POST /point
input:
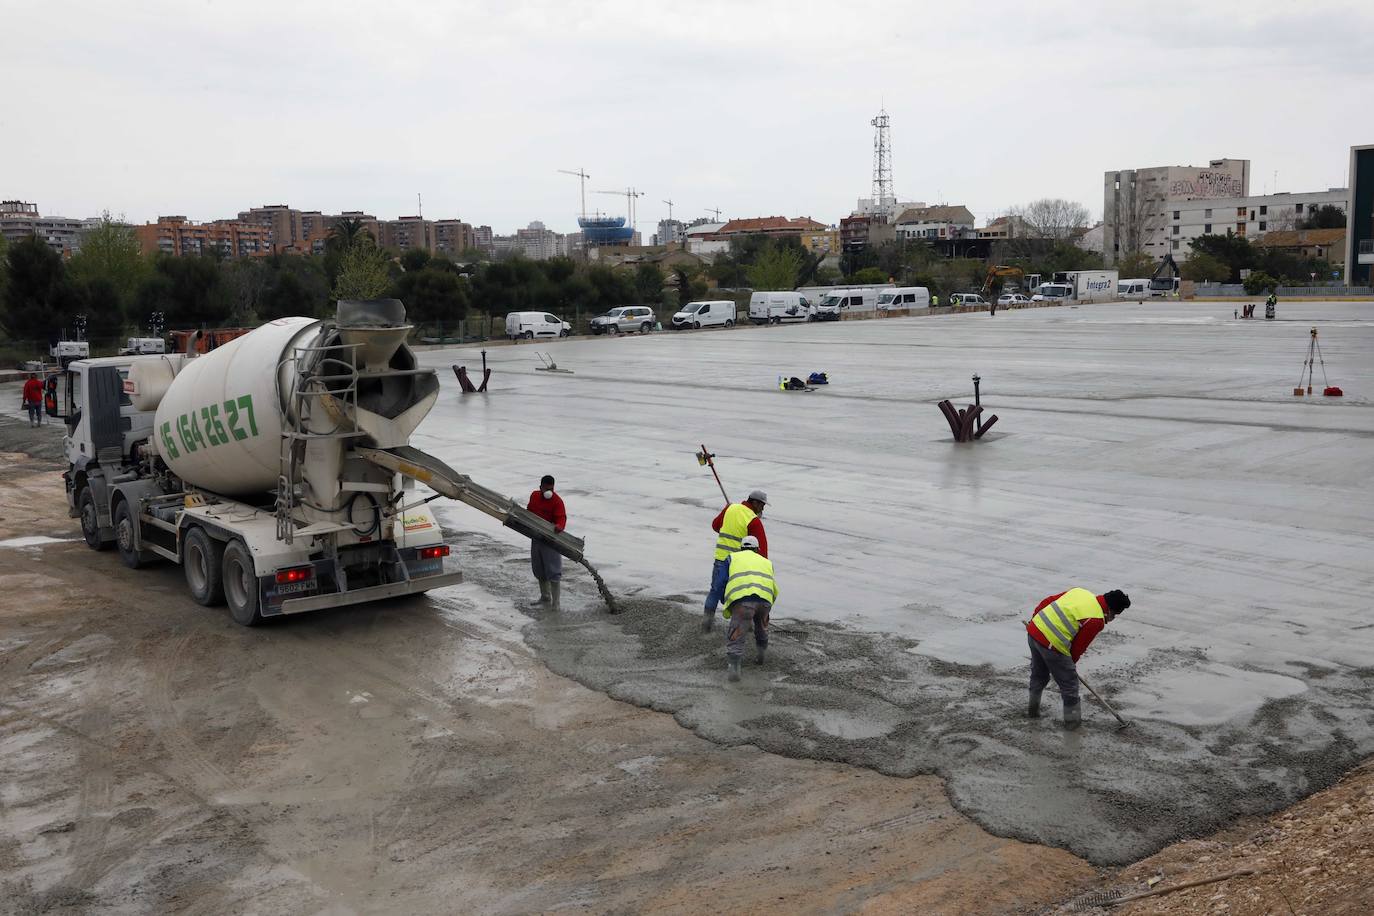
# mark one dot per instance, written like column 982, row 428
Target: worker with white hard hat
column 750, row 592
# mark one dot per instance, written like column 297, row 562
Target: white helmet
column 749, row 542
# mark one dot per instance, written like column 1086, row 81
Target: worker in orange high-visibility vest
column 1059, row 632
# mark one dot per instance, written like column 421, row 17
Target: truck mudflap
column 370, row 593
column 444, row 480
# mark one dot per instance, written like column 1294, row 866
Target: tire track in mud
column 184, row 753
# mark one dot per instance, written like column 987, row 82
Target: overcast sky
column 206, row 108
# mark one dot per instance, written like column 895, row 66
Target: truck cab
column 104, row 432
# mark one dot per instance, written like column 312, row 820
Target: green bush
column 1259, row 282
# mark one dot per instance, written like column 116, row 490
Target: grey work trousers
column 747, row 614
column 1051, row 662
column 545, row 562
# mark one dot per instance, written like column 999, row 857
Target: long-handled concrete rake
column 1096, row 696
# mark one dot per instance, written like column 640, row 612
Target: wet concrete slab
column 1155, row 448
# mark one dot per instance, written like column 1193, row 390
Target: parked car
column 625, row 318
column 778, row 306
column 535, row 324
column 967, row 299
column 1015, row 300
column 904, row 297
column 713, row 313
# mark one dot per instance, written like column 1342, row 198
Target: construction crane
column 582, row 174
column 670, row 210
column 714, row 212
column 629, row 194
column 1000, row 270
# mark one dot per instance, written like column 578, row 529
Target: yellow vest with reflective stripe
column 1061, row 619
column 733, row 528
column 751, row 576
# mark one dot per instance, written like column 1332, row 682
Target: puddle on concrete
column 36, row 540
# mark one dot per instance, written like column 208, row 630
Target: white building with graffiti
column 1139, row 204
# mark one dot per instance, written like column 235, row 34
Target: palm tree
column 347, row 231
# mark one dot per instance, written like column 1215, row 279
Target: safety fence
column 1228, row 290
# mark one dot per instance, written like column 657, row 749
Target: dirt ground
column 409, row 757
column 416, row 757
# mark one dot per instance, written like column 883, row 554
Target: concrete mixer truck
column 275, row 469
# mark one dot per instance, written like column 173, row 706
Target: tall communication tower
column 882, row 164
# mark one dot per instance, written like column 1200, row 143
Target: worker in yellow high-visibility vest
column 750, row 592
column 731, row 525
column 1058, row 633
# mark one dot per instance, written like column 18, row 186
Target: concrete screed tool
column 1124, row 723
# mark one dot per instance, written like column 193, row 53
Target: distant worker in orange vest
column 1059, row 632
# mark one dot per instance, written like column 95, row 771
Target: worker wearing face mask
column 731, row 526
column 546, row 562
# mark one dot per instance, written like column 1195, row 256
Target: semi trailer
column 275, row 469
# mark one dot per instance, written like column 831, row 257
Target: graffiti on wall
column 1206, row 184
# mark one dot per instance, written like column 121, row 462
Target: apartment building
column 538, row 243
column 934, row 223
column 20, row 219
column 452, row 237
column 283, row 221
column 178, row 236
column 1250, row 217
column 407, row 232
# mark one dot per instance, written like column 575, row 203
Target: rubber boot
column 1033, row 708
column 763, row 650
column 733, row 668
column 544, row 594
column 1073, row 716
column 708, row 621
column 555, row 593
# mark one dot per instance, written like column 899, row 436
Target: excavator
column 1164, row 282
column 1000, row 270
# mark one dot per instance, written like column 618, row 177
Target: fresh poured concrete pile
column 1153, row 448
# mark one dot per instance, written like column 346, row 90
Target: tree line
column 116, row 288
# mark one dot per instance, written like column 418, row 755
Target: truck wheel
column 529, row 335
column 563, row 333
column 241, row 584
column 696, row 325
column 90, row 520
column 729, row 322
column 126, row 535
column 201, row 560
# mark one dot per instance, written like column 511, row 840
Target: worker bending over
column 1060, row 631
column 546, row 562
column 731, row 526
column 750, row 593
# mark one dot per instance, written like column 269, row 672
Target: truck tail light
column 295, row 574
column 434, row 553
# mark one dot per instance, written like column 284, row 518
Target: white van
column 705, row 314
column 904, row 297
column 1133, row 289
column 535, row 324
column 777, row 307
column 836, row 302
